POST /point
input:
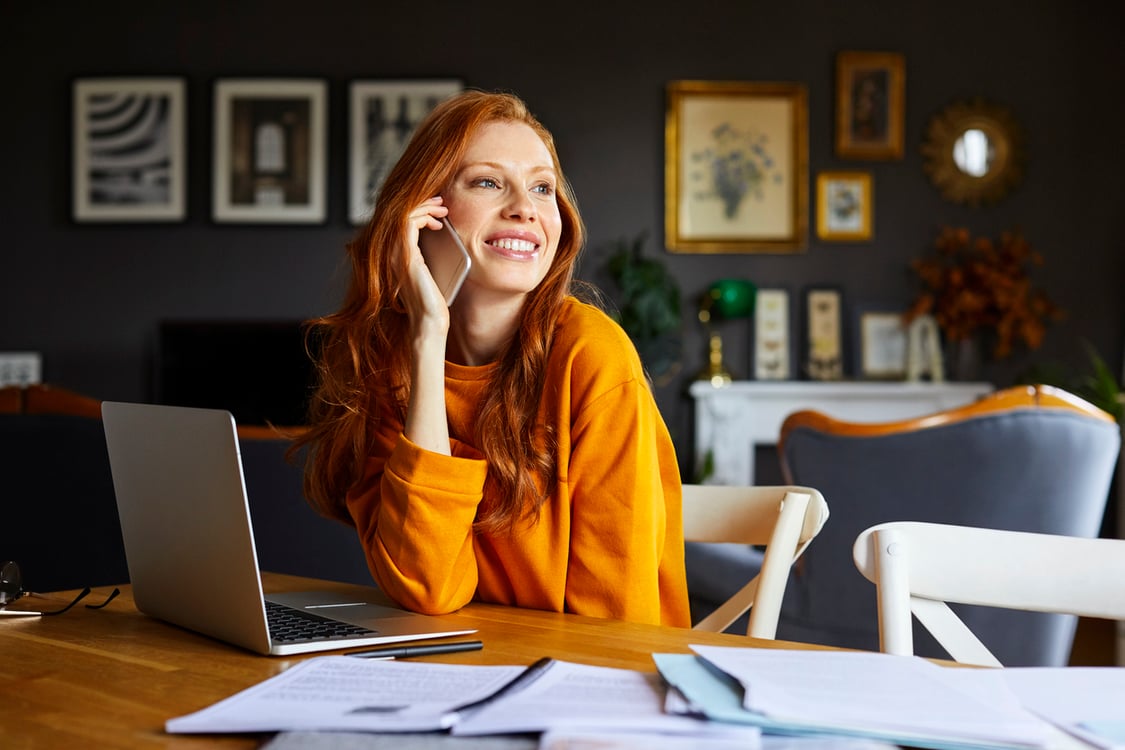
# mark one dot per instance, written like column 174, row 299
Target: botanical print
column 733, row 167
column 737, row 168
column 845, row 206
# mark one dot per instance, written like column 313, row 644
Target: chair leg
column 892, row 575
column 776, row 564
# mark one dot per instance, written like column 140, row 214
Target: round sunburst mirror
column 973, row 152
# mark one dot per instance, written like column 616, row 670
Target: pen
column 401, row 652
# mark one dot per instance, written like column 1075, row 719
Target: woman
column 506, row 448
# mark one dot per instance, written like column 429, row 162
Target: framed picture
column 129, row 159
column 384, row 115
column 824, row 334
column 270, row 151
column 844, row 206
column 771, row 335
column 736, row 167
column 882, row 342
column 870, row 101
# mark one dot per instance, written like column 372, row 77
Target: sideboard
column 731, row 420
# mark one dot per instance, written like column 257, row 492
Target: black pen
column 430, row 649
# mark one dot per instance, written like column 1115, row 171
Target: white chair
column 783, row 519
column 918, row 567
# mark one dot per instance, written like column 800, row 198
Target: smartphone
column 446, row 257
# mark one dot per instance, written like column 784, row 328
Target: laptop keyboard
column 289, row 625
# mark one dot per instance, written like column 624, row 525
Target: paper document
column 341, row 693
column 1086, row 701
column 345, row 693
column 870, row 691
column 720, row 697
column 568, row 695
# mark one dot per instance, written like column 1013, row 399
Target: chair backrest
column 918, row 567
column 1032, row 458
column 783, row 519
column 62, row 525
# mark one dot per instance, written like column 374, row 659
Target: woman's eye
column 487, row 182
column 544, row 189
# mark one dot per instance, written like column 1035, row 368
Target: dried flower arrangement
column 976, row 286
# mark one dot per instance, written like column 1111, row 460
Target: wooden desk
column 109, row 678
column 731, row 420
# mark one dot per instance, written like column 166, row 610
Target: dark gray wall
column 89, row 297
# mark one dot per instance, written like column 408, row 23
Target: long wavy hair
column 362, row 351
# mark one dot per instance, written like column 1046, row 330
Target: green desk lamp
column 725, row 299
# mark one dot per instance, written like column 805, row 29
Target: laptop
column 189, row 543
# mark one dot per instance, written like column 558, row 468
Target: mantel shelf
column 731, row 420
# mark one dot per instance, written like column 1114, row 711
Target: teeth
column 519, row 246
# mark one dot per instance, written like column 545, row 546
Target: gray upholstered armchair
column 1031, row 458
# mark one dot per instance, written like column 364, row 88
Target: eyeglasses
column 11, row 589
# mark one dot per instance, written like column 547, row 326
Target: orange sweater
column 608, row 542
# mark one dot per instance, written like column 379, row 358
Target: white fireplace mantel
column 731, row 420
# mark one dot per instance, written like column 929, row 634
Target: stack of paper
column 340, row 693
column 717, row 695
column 904, row 700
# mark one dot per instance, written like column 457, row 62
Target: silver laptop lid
column 185, row 520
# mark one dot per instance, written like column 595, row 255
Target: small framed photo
column 270, row 151
column 129, row 162
column 882, row 341
column 736, row 167
column 844, row 206
column 384, row 115
column 771, row 335
column 824, row 334
column 870, row 102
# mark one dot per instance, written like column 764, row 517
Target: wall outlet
column 20, row 368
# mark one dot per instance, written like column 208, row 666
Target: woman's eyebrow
column 499, row 166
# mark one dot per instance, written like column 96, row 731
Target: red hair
column 362, row 350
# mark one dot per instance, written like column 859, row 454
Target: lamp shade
column 730, row 298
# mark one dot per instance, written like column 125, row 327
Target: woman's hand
column 426, row 423
column 421, row 296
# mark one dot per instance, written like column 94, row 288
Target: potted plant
column 648, row 306
column 981, row 290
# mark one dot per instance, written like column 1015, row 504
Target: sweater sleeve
column 414, row 513
column 626, row 556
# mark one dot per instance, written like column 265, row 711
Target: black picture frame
column 823, row 350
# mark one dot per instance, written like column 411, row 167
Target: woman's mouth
column 514, row 246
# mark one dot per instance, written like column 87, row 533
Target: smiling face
column 502, row 200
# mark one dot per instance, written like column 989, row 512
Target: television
column 256, row 369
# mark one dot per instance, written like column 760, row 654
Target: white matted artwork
column 771, row 335
column 384, row 115
column 883, row 346
column 270, row 151
column 128, row 149
column 825, row 353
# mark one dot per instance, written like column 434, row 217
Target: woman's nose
column 520, row 206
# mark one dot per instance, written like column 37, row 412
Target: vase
column 963, row 359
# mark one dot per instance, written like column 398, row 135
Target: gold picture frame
column 736, row 167
column 870, row 102
column 845, row 206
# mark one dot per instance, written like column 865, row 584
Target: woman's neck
column 478, row 333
